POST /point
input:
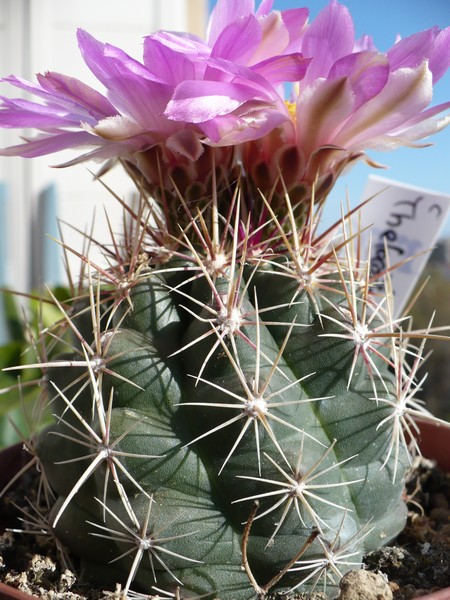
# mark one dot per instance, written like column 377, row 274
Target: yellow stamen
column 292, row 108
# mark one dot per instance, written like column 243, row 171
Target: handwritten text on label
column 405, row 221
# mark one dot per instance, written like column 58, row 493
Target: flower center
column 292, row 109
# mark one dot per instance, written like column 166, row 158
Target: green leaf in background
column 21, row 320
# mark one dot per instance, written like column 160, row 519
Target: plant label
column 403, row 223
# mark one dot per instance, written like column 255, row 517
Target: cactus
column 234, row 414
column 230, row 404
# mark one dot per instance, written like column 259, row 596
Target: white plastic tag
column 407, row 221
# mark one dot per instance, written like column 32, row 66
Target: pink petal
column 69, row 89
column 281, row 33
column 23, row 113
column 407, row 92
column 224, row 13
column 199, row 101
column 279, row 69
column 237, row 42
column 264, row 8
column 183, row 43
column 224, row 70
column 165, row 64
column 33, row 88
column 425, row 115
column 440, row 59
column 411, row 134
column 364, row 43
column 246, row 102
column 329, row 37
column 132, row 88
column 235, row 129
column 66, row 92
column 321, row 110
column 49, row 143
column 108, row 63
column 274, row 37
column 367, row 72
column 413, row 50
column 295, row 21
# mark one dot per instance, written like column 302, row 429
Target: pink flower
column 192, row 103
column 352, row 98
column 186, row 93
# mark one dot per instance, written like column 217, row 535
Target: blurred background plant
column 435, row 295
column 20, row 410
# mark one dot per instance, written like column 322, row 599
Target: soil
column 416, row 564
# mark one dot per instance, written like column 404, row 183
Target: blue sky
column 384, row 19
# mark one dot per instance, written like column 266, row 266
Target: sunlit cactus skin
column 206, row 389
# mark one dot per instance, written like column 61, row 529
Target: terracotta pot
column 9, row 593
column 11, row 461
column 434, row 443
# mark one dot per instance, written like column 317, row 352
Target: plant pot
column 11, row 461
column 434, row 443
column 9, row 593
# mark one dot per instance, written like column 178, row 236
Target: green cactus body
column 211, row 392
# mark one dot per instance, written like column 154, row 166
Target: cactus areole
column 233, row 417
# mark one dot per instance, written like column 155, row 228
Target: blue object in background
column 4, row 333
column 49, row 250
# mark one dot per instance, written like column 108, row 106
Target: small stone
column 425, row 548
column 41, row 564
column 364, row 585
column 66, row 581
